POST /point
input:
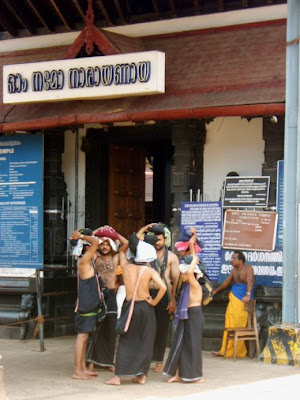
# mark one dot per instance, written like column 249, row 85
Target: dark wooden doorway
column 115, row 177
column 126, row 208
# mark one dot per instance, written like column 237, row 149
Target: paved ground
column 33, row 375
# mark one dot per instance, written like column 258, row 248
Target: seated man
column 242, row 279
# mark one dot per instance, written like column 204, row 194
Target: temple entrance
column 128, row 178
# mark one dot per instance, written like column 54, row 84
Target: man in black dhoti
column 135, row 348
column 184, row 362
column 167, row 265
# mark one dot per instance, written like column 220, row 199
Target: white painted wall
column 232, row 144
column 69, row 170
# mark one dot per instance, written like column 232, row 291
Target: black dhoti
column 162, row 327
column 102, row 343
column 186, row 348
column 135, row 348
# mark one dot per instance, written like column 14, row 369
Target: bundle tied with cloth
column 183, row 245
column 159, row 229
column 107, row 233
column 141, row 253
column 77, row 252
column 78, row 244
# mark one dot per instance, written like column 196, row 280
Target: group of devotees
column 110, row 271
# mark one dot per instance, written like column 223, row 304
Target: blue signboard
column 21, row 201
column 279, row 205
column 207, row 218
column 267, row 266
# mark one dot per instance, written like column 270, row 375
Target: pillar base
column 283, row 345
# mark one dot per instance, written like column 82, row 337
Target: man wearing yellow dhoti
column 242, row 280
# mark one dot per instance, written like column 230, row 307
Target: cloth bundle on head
column 184, row 269
column 83, row 231
column 161, row 229
column 77, row 251
column 107, row 233
column 140, row 251
column 151, row 239
column 183, row 242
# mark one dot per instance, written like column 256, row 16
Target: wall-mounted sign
column 249, row 230
column 21, row 202
column 242, row 192
column 267, row 266
column 119, row 75
column 207, row 218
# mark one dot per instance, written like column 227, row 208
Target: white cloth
column 77, row 251
column 121, row 296
column 184, row 269
column 145, row 252
column 113, row 244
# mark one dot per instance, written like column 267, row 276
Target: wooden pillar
column 188, row 139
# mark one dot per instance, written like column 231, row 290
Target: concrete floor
column 30, row 374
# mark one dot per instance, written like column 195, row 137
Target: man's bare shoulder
column 172, row 256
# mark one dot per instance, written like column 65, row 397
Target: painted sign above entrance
column 121, row 75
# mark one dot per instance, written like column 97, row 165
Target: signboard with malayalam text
column 267, row 266
column 120, row 75
column 245, row 192
column 21, row 202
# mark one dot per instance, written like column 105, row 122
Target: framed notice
column 21, row 202
column 207, row 218
column 243, row 192
column 249, row 230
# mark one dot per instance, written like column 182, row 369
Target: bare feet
column 116, row 381
column 141, row 379
column 174, row 379
column 216, row 354
column 90, row 372
column 111, row 369
column 159, row 367
column 91, row 367
column 81, row 375
column 198, row 381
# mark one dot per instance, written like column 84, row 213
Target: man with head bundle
column 89, row 299
column 242, row 279
column 184, row 362
column 135, row 348
column 167, row 265
column 101, row 347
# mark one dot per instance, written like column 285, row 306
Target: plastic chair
column 249, row 333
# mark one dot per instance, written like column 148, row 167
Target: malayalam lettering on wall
column 21, row 201
column 267, row 266
column 207, row 218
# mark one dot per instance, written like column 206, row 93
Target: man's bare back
column 130, row 276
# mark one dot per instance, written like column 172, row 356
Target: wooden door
column 126, row 209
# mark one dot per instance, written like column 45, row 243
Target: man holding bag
column 135, row 348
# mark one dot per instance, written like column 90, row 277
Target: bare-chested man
column 242, row 279
column 167, row 265
column 135, row 348
column 184, row 362
column 88, row 300
column 101, row 347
